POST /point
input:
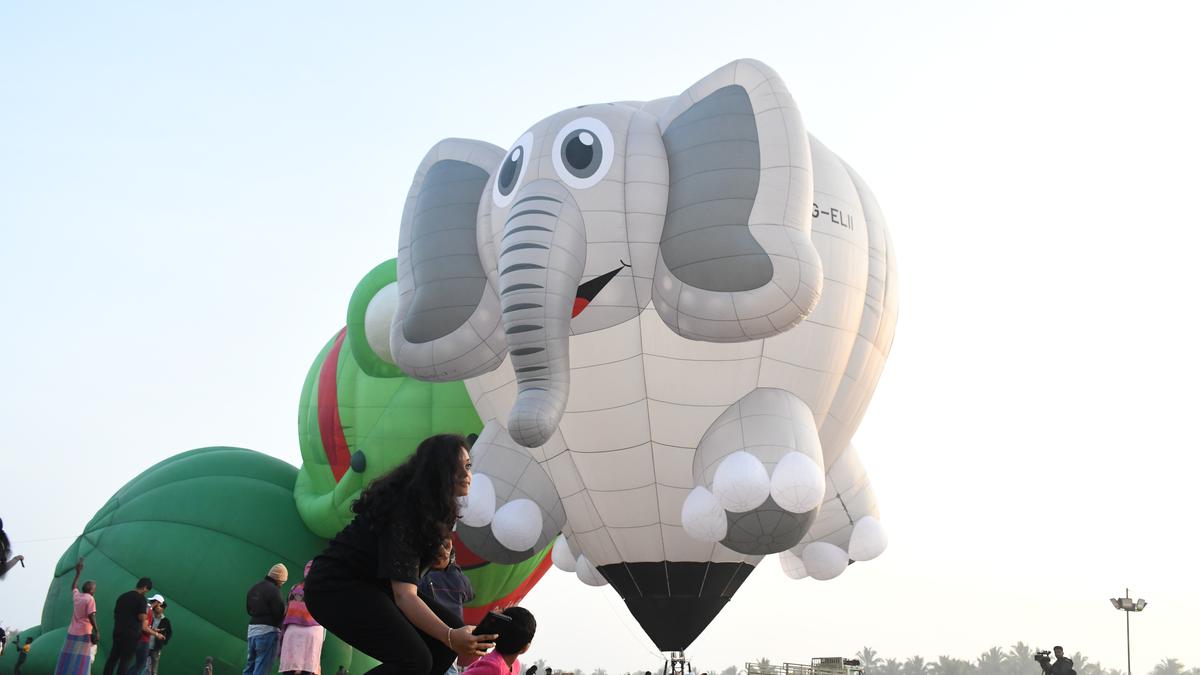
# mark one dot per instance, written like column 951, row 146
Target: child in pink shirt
column 515, row 638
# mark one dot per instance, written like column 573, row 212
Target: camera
column 1042, row 656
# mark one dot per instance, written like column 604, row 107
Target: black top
column 125, row 614
column 164, row 627
column 365, row 554
column 264, row 604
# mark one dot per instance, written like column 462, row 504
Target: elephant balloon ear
column 736, row 259
column 447, row 321
column 369, row 321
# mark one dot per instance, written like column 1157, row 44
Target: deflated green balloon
column 204, row 525
column 360, row 417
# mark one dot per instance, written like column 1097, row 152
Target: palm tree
column 1079, row 662
column 889, row 667
column 1020, row 656
column 946, row 665
column 1168, row 667
column 869, row 659
column 763, row 665
column 914, row 665
column 991, row 662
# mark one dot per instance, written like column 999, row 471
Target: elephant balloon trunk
column 543, row 250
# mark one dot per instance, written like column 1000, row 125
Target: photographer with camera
column 1061, row 666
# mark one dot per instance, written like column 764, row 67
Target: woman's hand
column 465, row 644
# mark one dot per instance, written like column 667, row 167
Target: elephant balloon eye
column 507, row 180
column 583, row 152
column 511, row 171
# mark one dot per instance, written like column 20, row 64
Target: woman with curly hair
column 363, row 587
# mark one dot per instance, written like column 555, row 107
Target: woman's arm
column 458, row 639
column 95, row 629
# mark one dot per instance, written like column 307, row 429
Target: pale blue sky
column 188, row 195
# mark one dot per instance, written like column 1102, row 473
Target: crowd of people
column 387, row 585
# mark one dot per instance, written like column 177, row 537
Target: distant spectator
column 22, row 654
column 129, row 619
column 207, row 666
column 7, row 563
column 82, row 635
column 160, row 623
column 266, row 610
column 302, row 635
column 514, row 640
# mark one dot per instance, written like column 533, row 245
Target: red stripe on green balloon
column 329, row 419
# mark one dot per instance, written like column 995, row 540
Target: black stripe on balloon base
column 675, row 601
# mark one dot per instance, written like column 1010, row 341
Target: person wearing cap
column 265, row 606
column 141, row 656
column 158, row 606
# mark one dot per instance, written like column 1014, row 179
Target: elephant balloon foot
column 847, row 529
column 759, row 475
column 513, row 510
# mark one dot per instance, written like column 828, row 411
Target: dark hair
column 145, row 583
column 422, row 491
column 5, row 550
column 88, row 586
column 1058, row 646
column 517, row 633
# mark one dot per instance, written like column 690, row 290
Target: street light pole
column 1128, row 649
column 1127, row 605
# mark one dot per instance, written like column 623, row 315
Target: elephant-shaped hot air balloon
column 671, row 447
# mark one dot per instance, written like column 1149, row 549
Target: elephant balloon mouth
column 588, row 290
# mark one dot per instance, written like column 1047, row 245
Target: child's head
column 516, row 636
